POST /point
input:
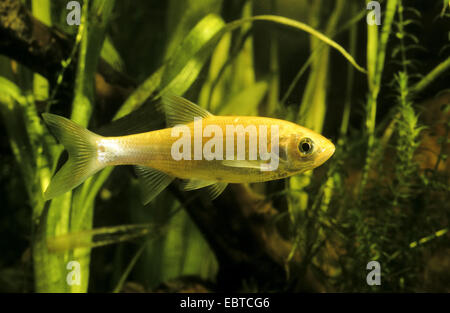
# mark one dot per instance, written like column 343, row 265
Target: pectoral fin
column 152, row 182
column 243, row 164
column 262, row 165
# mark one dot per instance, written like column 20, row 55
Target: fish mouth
column 327, row 150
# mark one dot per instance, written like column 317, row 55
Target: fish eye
column 306, row 146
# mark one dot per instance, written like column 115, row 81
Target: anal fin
column 152, row 182
column 216, row 189
column 213, row 188
column 193, row 184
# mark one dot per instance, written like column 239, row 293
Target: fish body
column 203, row 149
column 153, row 149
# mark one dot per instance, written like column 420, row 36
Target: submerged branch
column 43, row 49
column 240, row 229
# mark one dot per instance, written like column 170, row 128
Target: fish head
column 304, row 149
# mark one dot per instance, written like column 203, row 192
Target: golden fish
column 206, row 150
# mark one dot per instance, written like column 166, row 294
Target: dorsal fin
column 181, row 111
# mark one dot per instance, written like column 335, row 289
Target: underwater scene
column 208, row 146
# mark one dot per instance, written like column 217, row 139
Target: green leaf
column 64, row 214
column 178, row 74
column 246, row 102
column 111, row 56
column 182, row 16
column 187, row 61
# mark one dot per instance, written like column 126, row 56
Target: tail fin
column 81, row 145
